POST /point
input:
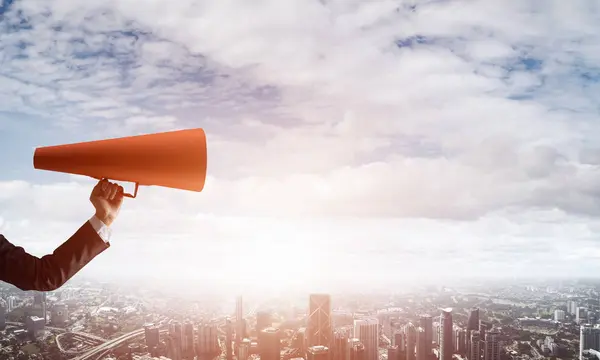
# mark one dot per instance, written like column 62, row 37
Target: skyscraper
column 581, row 315
column 339, row 347
column 492, row 346
column 446, row 346
column 411, row 341
column 39, row 304
column 589, row 338
column 269, row 344
column 299, row 341
column 12, row 303
column 474, row 351
column 3, row 312
column 152, row 336
column 263, row 321
column 239, row 318
column 208, row 343
column 399, row 340
column 188, row 350
column 461, row 341
column 228, row 339
column 472, row 325
column 559, row 315
column 473, row 322
column 426, row 323
column 483, row 328
column 319, row 331
column 176, row 335
column 59, row 314
column 356, row 350
column 393, row 353
column 421, row 352
column 367, row 331
column 244, row 349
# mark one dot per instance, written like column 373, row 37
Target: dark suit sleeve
column 50, row 272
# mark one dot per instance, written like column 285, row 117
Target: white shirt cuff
column 103, row 231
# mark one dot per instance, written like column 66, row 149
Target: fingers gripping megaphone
column 175, row 159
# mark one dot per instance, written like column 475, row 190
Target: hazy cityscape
column 318, row 180
column 493, row 321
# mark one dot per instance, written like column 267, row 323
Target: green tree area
column 524, row 335
column 30, row 349
column 524, row 349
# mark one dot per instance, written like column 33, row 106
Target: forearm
column 50, row 272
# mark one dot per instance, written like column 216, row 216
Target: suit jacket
column 28, row 272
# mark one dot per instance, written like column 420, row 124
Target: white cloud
column 441, row 110
column 174, row 237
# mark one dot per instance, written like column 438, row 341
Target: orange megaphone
column 175, row 159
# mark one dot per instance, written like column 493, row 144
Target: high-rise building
column 356, row 349
column 3, row 308
column 421, row 351
column 446, row 345
column 152, row 336
column 473, row 321
column 398, row 340
column 572, row 307
column 12, row 303
column 474, row 351
column 263, row 321
column 472, row 325
column 559, row 315
column 188, row 341
column 318, row 329
column 208, row 342
column 339, row 346
column 176, row 336
column 39, row 305
column 386, row 317
column 460, row 336
column 38, row 298
column 318, row 352
column 410, row 333
column 244, row 349
column 483, row 328
column 59, row 314
column 239, row 318
column 228, row 339
column 269, row 344
column 426, row 323
column 393, row 353
column 299, row 341
column 171, row 350
column 367, row 331
column 492, row 346
column 589, row 338
column 581, row 315
column 35, row 325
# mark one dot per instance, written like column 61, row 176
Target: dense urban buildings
column 501, row 322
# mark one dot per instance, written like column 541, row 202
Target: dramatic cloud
column 475, row 118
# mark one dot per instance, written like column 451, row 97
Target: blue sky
column 382, row 142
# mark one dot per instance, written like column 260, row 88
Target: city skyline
column 525, row 321
column 386, row 139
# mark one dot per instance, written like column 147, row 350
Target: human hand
column 107, row 198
